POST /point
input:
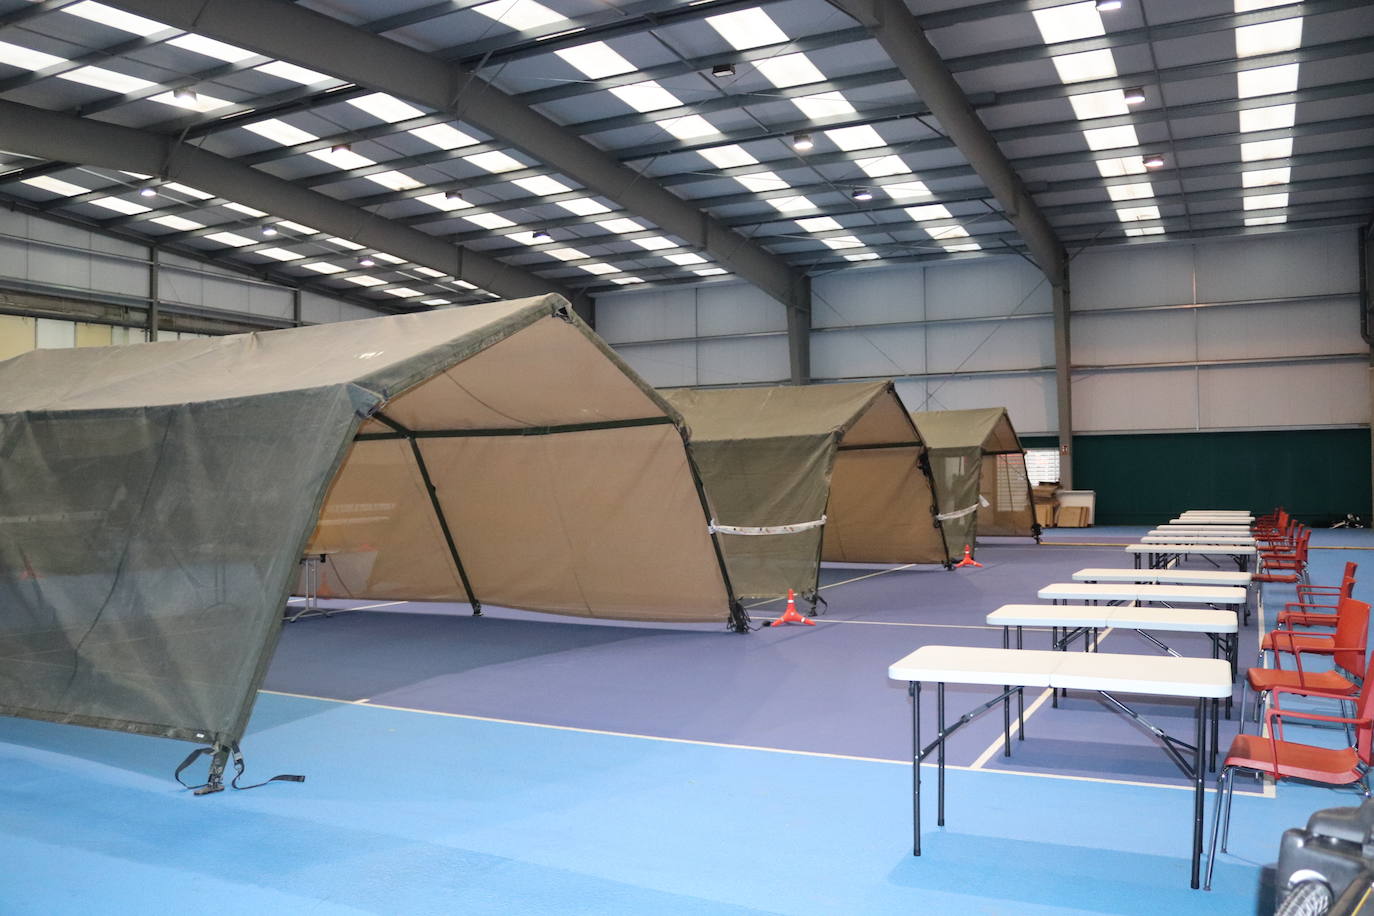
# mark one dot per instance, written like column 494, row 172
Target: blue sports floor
column 521, row 763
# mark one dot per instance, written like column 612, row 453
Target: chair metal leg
column 1226, row 815
column 1222, row 779
column 1244, row 692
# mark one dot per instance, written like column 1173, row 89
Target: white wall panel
column 1297, row 394
column 122, row 278
column 1029, row 399
column 269, row 300
column 845, row 298
column 14, row 259
column 1149, row 337
column 748, row 359
column 737, row 309
column 55, row 335
column 667, row 365
column 59, row 267
column 1136, row 399
column 875, row 352
column 1022, row 344
column 1315, row 328
column 992, row 286
column 651, row 314
column 1131, row 275
column 1276, row 266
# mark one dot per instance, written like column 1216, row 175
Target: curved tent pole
column 438, row 509
column 739, row 617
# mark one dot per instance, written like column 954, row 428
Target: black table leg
column 915, row 691
column 1006, row 701
column 940, row 752
column 1020, row 699
column 1199, row 795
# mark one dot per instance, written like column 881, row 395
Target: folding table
column 1163, row 555
column 1012, row 670
column 1169, row 537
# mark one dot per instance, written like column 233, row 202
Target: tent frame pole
column 739, row 617
column 409, row 436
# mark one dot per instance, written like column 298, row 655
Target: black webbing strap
column 238, row 770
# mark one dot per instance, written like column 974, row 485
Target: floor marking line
column 896, row 623
column 722, row 744
column 841, row 582
column 1030, row 711
column 331, row 611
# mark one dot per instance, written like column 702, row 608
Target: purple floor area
column 821, row 689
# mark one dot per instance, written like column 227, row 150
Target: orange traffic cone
column 791, row 615
column 968, row 560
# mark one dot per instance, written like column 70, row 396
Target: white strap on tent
column 716, row 528
column 946, row 516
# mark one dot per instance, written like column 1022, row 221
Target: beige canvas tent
column 794, row 474
column 155, row 499
column 980, row 474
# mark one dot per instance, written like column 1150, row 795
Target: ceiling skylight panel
column 1258, row 178
column 565, row 254
column 127, row 207
column 1143, row 230
column 292, row 73
column 178, row 188
column 115, row 19
column 619, row 225
column 1267, row 80
column 279, row 254
column 727, row 157
column 528, row 237
column 763, row 181
column 824, row 105
column 341, row 158
column 882, row 166
column 599, row 268
column 429, row 272
column 55, row 185
column 345, row 243
column 495, row 161
column 289, row 226
column 246, row 210
column 396, row 181
column 109, row 80
column 746, row 29
column 789, row 70
column 1265, row 220
column 191, row 101
column 208, row 47
column 842, row 241
column 27, row 58
column 280, row 132
column 1131, row 214
column 791, row 204
column 655, row 243
column 1099, row 104
column 179, row 223
column 324, row 267
column 625, row 281
column 1068, row 23
column 682, row 260
column 520, row 15
column 819, row 224
column 1269, row 37
column 583, row 206
column 365, row 281
column 388, row 258
column 443, row 201
column 646, row 96
column 1111, row 137
column 489, row 221
column 1117, row 168
column 948, row 232
column 386, row 108
column 1274, row 117
column 1266, row 149
column 710, row 271
column 1084, row 66
column 689, row 127
column 230, row 238
column 1266, row 202
column 435, row 302
column 596, row 60
column 404, row 292
column 1130, row 191
column 929, row 211
column 861, row 136
column 444, row 136
column 967, row 246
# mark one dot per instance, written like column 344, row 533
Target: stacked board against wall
column 979, row 469
column 158, row 497
column 839, row 470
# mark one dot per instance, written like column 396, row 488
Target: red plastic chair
column 1351, row 634
column 1282, row 759
column 1341, row 683
column 1304, row 612
column 1285, row 566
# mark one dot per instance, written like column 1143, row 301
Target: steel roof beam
column 51, row 135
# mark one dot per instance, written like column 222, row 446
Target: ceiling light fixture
column 269, row 231
column 723, row 70
column 802, row 142
column 1106, row 6
column 1134, row 96
column 147, row 191
column 542, row 235
column 862, row 194
column 366, row 262
column 1153, row 161
column 341, row 148
column 184, row 95
column 453, row 195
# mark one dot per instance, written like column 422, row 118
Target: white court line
column 366, row 704
column 841, row 582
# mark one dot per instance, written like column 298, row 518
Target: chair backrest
column 1352, row 636
column 1364, row 711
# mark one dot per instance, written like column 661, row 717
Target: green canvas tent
column 155, row 500
column 795, row 474
column 979, row 468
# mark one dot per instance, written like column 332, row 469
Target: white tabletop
column 1237, row 531
column 1176, row 620
column 1050, row 615
column 1152, row 674
column 1208, row 522
column 1214, row 519
column 1085, row 591
column 1216, row 512
column 1196, row 539
column 1164, row 576
column 1235, row 550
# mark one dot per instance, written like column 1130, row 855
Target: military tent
column 795, row 474
column 980, row 474
column 155, row 500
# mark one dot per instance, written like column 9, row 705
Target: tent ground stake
column 214, row 782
